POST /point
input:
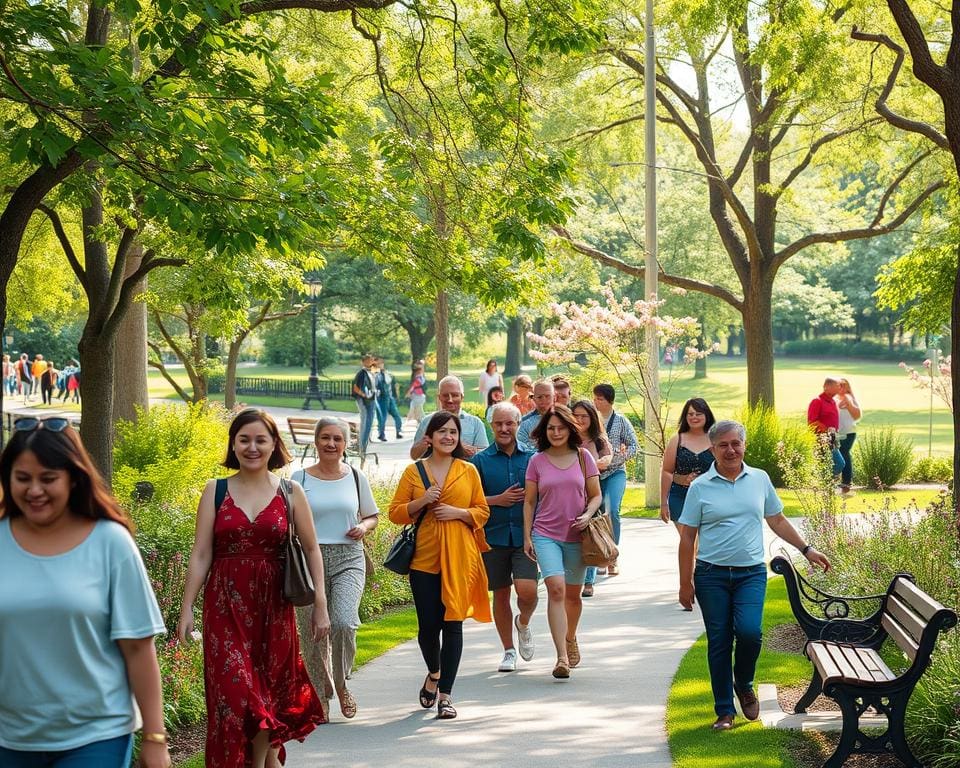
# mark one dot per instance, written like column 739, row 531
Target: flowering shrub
column 181, row 673
column 866, row 551
column 941, row 385
column 385, row 589
column 610, row 336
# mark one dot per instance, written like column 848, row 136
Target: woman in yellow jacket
column 447, row 577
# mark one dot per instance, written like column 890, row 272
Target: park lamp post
column 313, row 389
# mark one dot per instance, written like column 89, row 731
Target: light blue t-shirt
column 472, row 431
column 527, row 424
column 63, row 680
column 730, row 515
column 334, row 504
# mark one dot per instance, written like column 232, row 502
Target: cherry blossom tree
column 607, row 337
column 942, row 384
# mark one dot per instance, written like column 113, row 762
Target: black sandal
column 445, row 710
column 428, row 698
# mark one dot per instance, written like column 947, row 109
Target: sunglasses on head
column 30, row 423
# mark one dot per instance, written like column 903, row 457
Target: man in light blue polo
column 725, row 506
column 473, row 433
column 503, row 471
column 543, row 397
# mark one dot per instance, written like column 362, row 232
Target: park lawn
column 373, row 639
column 690, row 705
column 860, row 501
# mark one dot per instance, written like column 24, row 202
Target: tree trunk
column 97, row 356
column 441, row 321
column 230, row 375
column 955, row 379
column 512, row 364
column 700, row 364
column 130, row 386
column 420, row 338
column 758, row 329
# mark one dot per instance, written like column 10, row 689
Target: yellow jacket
column 451, row 547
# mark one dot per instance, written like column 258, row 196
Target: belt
column 733, row 568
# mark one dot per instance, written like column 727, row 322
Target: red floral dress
column 253, row 673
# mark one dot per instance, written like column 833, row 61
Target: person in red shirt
column 824, row 417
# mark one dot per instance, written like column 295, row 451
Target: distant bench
column 847, row 665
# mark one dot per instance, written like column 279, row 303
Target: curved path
column 609, row 713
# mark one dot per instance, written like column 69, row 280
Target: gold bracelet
column 157, row 738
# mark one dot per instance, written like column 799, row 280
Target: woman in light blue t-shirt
column 77, row 611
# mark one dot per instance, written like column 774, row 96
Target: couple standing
column 835, row 413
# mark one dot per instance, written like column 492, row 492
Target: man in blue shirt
column 725, row 506
column 543, row 400
column 503, row 469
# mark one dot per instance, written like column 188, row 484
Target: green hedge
column 870, row 350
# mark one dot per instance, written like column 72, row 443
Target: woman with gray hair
column 344, row 511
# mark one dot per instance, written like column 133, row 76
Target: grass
column 690, row 705
column 861, row 501
column 373, row 639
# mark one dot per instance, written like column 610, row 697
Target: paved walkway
column 609, row 714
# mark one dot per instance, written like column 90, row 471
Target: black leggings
column 444, row 656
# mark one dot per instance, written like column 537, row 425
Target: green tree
column 802, row 125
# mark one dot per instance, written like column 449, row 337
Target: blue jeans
column 612, row 487
column 368, row 411
column 731, row 601
column 112, row 753
column 846, row 445
column 387, row 406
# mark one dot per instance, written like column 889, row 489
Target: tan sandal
column 562, row 670
column 348, row 704
column 573, row 652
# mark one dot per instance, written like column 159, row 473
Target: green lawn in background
column 690, row 705
column 860, row 501
column 886, row 394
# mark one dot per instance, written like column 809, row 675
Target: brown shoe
column 587, row 590
column 562, row 670
column 573, row 652
column 749, row 704
column 724, row 723
column 613, row 570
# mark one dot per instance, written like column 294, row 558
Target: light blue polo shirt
column 472, row 430
column 527, row 424
column 63, row 679
column 730, row 515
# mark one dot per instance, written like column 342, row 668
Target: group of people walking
column 489, row 517
column 26, row 377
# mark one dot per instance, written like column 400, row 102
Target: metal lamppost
column 313, row 388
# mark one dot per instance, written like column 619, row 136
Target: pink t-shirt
column 562, row 495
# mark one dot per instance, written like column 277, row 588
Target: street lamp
column 313, row 388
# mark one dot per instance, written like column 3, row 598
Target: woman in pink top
column 562, row 494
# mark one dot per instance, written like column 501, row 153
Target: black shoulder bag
column 401, row 552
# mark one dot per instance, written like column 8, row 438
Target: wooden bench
column 832, row 619
column 301, row 433
column 857, row 678
column 353, row 447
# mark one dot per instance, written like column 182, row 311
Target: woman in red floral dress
column 257, row 689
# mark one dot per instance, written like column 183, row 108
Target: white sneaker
column 525, row 640
column 509, row 663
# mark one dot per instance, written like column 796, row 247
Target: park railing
column 267, row 386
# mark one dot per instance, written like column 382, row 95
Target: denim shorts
column 560, row 557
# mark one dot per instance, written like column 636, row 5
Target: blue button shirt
column 498, row 471
column 730, row 515
column 527, row 424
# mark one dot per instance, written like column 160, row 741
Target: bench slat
column 916, row 598
column 900, row 636
column 906, row 617
column 848, row 663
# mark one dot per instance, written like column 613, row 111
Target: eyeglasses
column 30, row 423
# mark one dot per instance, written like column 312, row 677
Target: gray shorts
column 504, row 564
